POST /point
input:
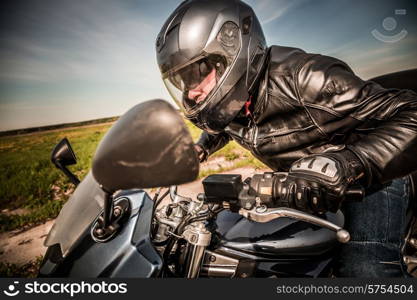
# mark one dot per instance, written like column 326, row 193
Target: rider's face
column 199, row 79
column 200, row 92
column 193, row 84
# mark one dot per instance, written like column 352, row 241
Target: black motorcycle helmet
column 210, row 53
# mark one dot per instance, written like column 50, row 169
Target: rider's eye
column 204, row 69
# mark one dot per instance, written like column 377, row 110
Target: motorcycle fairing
column 76, row 216
column 129, row 254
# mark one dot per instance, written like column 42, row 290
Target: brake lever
column 262, row 214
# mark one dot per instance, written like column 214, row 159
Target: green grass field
column 29, row 181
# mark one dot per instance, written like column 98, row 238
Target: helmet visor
column 192, row 85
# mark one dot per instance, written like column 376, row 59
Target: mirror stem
column 68, row 173
column 108, row 208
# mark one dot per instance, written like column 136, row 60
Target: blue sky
column 65, row 61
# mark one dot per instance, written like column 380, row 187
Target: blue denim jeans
column 377, row 227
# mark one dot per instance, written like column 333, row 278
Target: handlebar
column 265, row 189
column 262, row 214
column 254, row 199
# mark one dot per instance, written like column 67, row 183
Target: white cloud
column 271, row 10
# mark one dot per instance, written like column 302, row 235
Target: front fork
column 198, row 238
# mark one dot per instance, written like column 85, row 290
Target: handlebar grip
column 355, row 193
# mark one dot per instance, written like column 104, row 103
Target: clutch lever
column 262, row 214
column 175, row 197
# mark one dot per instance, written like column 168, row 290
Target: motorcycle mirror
column 63, row 153
column 62, row 156
column 149, row 146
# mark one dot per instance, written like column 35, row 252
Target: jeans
column 377, row 227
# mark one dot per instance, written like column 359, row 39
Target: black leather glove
column 202, row 154
column 318, row 183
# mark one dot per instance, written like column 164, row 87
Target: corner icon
column 390, row 24
column 11, row 290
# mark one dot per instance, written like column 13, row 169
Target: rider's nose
column 194, row 94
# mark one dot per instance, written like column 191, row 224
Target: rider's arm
column 211, row 143
column 340, row 102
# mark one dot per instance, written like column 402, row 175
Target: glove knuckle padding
column 318, row 183
column 323, row 168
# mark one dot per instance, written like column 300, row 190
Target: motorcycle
column 111, row 227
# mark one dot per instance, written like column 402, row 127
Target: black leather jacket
column 309, row 103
